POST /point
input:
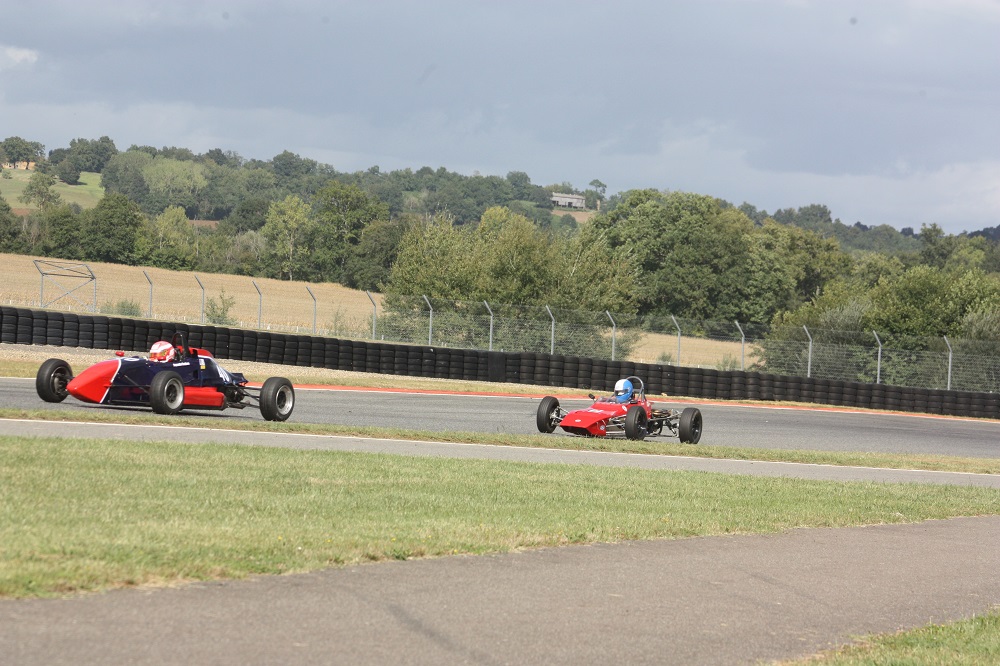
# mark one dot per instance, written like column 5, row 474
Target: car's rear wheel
column 166, row 392
column 689, row 428
column 52, row 378
column 545, row 418
column 277, row 399
column 636, row 421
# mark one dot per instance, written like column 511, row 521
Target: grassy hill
column 86, row 194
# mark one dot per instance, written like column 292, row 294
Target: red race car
column 627, row 413
column 174, row 377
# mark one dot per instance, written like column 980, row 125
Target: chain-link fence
column 971, row 365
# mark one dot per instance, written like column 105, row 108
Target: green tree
column 62, row 233
column 19, row 150
column 67, row 172
column 167, row 240
column 39, row 192
column 111, row 230
column 288, row 227
column 10, row 229
column 341, row 213
column 173, row 182
column 371, row 261
column 92, row 155
column 123, row 174
column 691, row 253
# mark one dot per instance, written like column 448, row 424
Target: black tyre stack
column 71, row 329
column 8, row 324
column 39, row 323
column 331, row 353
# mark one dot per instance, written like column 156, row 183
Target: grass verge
column 86, row 515
column 970, row 642
column 651, row 447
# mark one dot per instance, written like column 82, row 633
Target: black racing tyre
column 166, row 392
column 689, row 427
column 52, row 378
column 545, row 419
column 636, row 421
column 277, row 399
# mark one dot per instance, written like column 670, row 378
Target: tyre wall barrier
column 43, row 327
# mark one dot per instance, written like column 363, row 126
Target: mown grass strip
column 971, row 642
column 89, row 514
column 651, row 447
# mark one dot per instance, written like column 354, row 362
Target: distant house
column 569, row 200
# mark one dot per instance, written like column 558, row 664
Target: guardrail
column 42, row 327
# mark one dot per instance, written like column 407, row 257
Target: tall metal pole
column 949, row 361
column 202, row 299
column 743, row 346
column 314, row 307
column 878, row 366
column 678, row 327
column 809, row 362
column 150, row 294
column 552, row 344
column 260, row 302
column 430, row 323
column 490, row 310
column 614, row 333
column 374, row 313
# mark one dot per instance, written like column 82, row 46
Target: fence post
column 878, row 366
column 949, row 361
column 430, row 324
column 614, row 333
column 809, row 361
column 743, row 346
column 552, row 344
column 150, row 294
column 490, row 310
column 202, row 299
column 678, row 326
column 314, row 307
column 374, row 313
column 260, row 302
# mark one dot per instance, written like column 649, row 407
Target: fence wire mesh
column 971, row 365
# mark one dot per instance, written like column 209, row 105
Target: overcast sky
column 886, row 111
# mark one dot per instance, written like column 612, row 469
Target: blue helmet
column 623, row 390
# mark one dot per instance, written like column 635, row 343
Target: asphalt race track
column 725, row 424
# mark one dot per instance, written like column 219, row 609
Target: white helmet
column 161, row 351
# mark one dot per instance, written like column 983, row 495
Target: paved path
column 717, row 600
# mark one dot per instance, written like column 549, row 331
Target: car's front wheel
column 636, row 421
column 166, row 392
column 545, row 418
column 277, row 399
column 689, row 428
column 52, row 378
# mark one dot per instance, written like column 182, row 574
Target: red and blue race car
column 628, row 412
column 174, row 377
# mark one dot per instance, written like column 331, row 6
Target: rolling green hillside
column 86, row 194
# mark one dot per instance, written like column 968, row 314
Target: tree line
column 649, row 254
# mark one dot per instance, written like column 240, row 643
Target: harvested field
column 176, row 296
column 284, row 306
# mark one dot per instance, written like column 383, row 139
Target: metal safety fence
column 330, row 310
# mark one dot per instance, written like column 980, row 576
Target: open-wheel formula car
column 627, row 413
column 175, row 377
